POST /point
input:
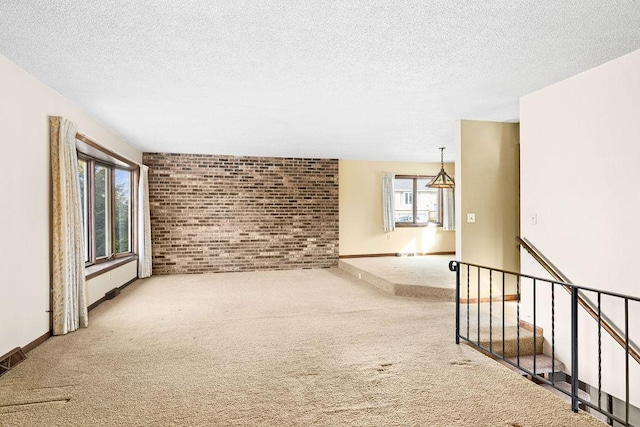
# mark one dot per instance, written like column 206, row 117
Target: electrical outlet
column 471, row 217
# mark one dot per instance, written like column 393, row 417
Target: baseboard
column 33, row 344
column 18, row 354
column 400, row 254
column 529, row 327
column 111, row 294
column 487, row 299
column 128, row 283
column 394, row 254
column 97, row 303
column 365, row 256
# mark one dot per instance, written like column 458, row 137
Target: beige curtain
column 144, row 225
column 388, row 220
column 69, row 298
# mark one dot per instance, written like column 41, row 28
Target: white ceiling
column 370, row 79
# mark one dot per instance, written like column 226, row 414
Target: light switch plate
column 471, row 217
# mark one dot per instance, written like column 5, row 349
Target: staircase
column 533, row 362
column 522, row 349
column 555, row 304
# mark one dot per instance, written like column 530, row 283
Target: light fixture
column 442, row 180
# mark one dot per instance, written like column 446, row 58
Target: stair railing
column 607, row 324
column 484, row 332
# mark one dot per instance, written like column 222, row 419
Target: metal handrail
column 583, row 301
column 532, row 283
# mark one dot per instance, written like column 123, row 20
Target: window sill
column 404, row 225
column 98, row 269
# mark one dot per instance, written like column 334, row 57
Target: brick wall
column 225, row 213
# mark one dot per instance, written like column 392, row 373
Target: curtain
column 448, row 209
column 389, row 223
column 69, row 290
column 144, row 224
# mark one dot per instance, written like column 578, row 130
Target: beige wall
column 25, row 105
column 361, row 212
column 488, row 186
column 580, row 153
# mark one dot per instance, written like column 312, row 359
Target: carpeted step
column 566, row 387
column 510, row 342
column 544, row 364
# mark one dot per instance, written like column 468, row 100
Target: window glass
column 428, row 210
column 82, row 175
column 123, row 210
column 415, row 203
column 403, row 189
column 102, row 211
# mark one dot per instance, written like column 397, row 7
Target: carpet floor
column 288, row 348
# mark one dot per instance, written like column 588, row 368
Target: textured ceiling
column 374, row 79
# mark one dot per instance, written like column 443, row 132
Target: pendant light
column 442, row 180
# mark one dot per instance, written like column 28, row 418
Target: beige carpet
column 297, row 348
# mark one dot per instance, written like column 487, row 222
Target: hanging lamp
column 442, row 180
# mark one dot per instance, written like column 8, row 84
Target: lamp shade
column 442, row 180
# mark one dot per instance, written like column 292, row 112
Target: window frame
column 414, row 206
column 93, row 154
column 109, row 194
column 86, row 213
column 114, row 213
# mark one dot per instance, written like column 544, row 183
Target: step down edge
column 544, row 364
column 566, row 387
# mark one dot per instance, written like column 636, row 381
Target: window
column 415, row 203
column 101, row 209
column 82, row 174
column 107, row 202
column 123, row 210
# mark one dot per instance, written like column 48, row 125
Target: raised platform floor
column 427, row 277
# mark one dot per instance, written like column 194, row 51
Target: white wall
column 580, row 176
column 98, row 286
column 25, row 107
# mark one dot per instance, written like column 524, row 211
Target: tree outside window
column 106, row 202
